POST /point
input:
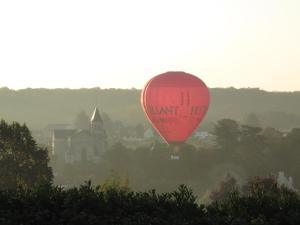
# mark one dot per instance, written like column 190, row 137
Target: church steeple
column 96, row 122
column 96, row 116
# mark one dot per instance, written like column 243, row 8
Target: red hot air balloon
column 175, row 103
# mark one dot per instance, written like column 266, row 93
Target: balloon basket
column 175, row 157
column 175, row 149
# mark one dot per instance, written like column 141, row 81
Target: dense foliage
column 261, row 202
column 27, row 196
column 240, row 150
column 22, row 162
column 91, row 206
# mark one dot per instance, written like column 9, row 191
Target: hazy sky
column 122, row 44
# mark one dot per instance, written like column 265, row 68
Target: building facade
column 72, row 145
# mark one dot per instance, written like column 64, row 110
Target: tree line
column 41, row 107
column 93, row 205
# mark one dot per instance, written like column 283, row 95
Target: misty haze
column 150, row 112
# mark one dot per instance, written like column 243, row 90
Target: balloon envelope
column 175, row 103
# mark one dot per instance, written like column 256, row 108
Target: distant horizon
column 123, row 44
column 134, row 88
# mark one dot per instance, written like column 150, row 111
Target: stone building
column 71, row 145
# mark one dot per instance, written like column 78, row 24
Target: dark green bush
column 88, row 205
column 261, row 201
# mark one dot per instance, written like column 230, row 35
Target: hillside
column 39, row 107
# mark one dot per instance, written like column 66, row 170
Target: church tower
column 96, row 123
column 98, row 135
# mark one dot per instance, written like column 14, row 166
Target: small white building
column 201, row 135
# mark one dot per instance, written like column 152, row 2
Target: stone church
column 71, row 145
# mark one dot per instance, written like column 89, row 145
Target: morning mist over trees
column 41, row 107
column 153, row 112
column 237, row 153
column 242, row 126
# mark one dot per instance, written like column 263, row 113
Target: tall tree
column 252, row 120
column 22, row 162
column 251, row 138
column 291, row 154
column 227, row 133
